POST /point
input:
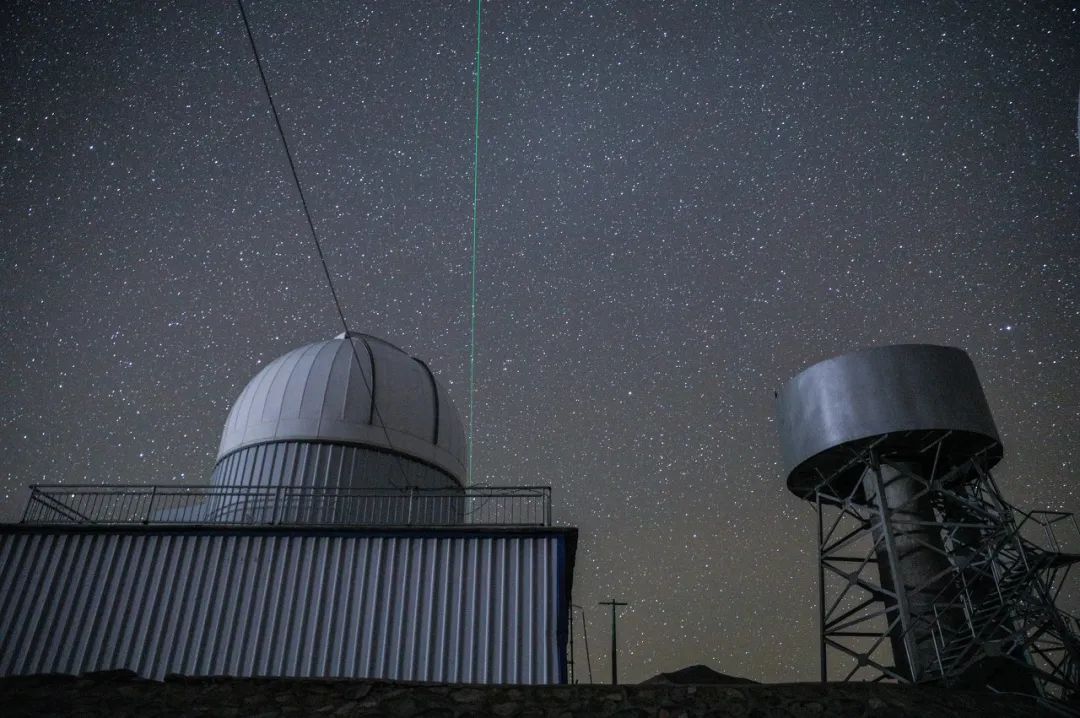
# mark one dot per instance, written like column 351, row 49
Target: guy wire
column 318, row 246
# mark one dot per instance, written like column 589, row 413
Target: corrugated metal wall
column 324, row 465
column 435, row 607
column 331, row 466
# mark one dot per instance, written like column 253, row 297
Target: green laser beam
column 475, row 199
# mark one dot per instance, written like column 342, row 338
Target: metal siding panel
column 422, row 608
column 179, row 605
column 326, row 610
column 483, row 638
column 466, row 645
column 212, row 598
column 15, row 552
column 72, row 603
column 314, row 621
column 287, row 618
column 181, row 629
column 440, row 619
column 342, row 613
column 28, row 574
column 268, row 609
column 513, row 602
column 220, row 624
column 38, row 628
column 129, row 588
column 97, row 590
column 528, row 674
column 412, row 605
column 497, row 650
column 369, row 605
column 100, row 605
column 402, row 587
column 163, row 560
column 459, row 601
column 386, row 607
column 241, row 617
column 355, row 604
column 259, row 577
column 422, row 647
column 542, row 628
column 195, row 606
column 66, row 602
column 134, row 586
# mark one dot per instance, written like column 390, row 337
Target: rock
column 402, row 706
column 118, row 674
column 467, row 695
column 254, row 697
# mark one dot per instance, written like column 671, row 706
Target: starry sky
column 682, row 204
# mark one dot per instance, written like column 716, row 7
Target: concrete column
column 910, row 564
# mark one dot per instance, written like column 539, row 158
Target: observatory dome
column 316, row 406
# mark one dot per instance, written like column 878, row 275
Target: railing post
column 412, row 500
column 150, row 504
column 274, row 505
column 30, row 504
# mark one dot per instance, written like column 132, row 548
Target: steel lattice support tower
column 926, row 572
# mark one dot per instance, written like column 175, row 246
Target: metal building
column 926, row 572
column 336, row 538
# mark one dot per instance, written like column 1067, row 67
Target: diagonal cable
column 318, row 246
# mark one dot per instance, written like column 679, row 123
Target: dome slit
column 371, row 359
column 434, row 399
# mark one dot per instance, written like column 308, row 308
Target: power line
column 476, row 195
column 318, row 247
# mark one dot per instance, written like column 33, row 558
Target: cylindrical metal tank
column 895, row 390
column 918, row 568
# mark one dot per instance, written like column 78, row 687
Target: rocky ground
column 118, row 694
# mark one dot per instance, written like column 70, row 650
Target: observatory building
column 336, row 538
column 926, row 572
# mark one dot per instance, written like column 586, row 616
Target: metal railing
column 288, row 505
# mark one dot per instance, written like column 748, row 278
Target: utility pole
column 614, row 647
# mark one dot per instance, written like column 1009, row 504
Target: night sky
column 681, row 206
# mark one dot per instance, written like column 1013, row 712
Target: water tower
column 926, row 572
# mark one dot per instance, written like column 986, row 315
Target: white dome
column 318, row 393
